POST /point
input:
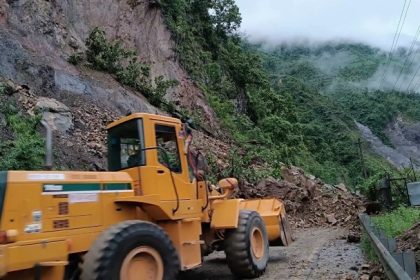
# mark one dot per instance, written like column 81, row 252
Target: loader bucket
column 274, row 215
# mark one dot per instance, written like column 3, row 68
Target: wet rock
column 330, row 218
column 365, row 266
column 308, row 200
column 353, row 237
column 341, row 187
column 364, row 277
column 55, row 113
column 74, row 43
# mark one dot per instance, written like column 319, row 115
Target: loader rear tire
column 246, row 247
column 131, row 250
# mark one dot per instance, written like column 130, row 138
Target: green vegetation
column 377, row 109
column 271, row 101
column 24, row 149
column 234, row 81
column 344, row 73
column 5, row 89
column 75, row 58
column 398, row 221
column 368, row 249
column 114, row 58
column 393, row 224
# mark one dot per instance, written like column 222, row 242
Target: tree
column 225, row 16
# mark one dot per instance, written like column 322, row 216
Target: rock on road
column 317, row 253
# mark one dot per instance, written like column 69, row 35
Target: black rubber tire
column 239, row 255
column 105, row 258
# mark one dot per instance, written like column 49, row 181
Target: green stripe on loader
column 117, row 186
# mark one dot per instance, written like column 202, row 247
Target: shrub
column 26, row 150
column 111, row 57
column 104, row 55
column 397, row 221
column 6, row 89
column 75, row 58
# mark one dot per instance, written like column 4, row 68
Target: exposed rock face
column 405, row 137
column 55, row 113
column 38, row 36
column 394, row 156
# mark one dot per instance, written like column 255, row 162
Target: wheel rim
column 142, row 263
column 257, row 243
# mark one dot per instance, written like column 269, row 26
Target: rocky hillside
column 38, row 37
column 81, row 65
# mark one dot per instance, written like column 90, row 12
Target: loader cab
column 151, row 149
column 126, row 148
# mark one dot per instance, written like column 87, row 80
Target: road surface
column 317, row 253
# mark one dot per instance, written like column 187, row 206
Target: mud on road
column 317, row 253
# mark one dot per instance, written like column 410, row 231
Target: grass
column 398, row 221
column 26, row 150
column 367, row 248
column 393, row 224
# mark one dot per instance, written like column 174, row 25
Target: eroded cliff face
column 404, row 137
column 38, row 36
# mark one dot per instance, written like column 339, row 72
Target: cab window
column 126, row 146
column 168, row 152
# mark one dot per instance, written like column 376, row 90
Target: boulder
column 341, row 187
column 330, row 218
column 55, row 113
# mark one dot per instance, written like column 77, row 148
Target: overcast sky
column 370, row 21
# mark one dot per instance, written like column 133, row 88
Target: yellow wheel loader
column 150, row 216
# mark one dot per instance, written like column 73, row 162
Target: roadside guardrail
column 397, row 265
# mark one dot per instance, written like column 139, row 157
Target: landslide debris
column 410, row 240
column 310, row 202
column 79, row 127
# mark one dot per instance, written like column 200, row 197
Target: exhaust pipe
column 48, row 146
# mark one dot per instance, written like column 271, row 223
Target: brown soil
column 310, row 202
column 410, row 240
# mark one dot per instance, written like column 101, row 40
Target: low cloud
column 373, row 22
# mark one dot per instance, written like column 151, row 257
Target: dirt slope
column 45, row 33
column 410, row 240
column 38, row 36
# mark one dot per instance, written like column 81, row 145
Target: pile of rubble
column 410, row 240
column 309, row 202
column 78, row 127
column 372, row 271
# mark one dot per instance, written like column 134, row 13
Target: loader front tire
column 131, row 250
column 246, row 247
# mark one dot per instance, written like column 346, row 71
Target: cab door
column 171, row 163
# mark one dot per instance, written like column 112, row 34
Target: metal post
column 386, row 191
column 48, row 146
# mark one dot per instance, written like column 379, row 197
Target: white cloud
column 370, row 21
